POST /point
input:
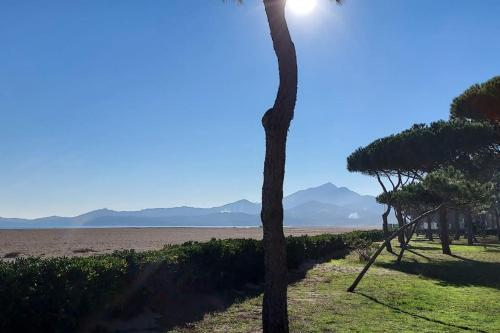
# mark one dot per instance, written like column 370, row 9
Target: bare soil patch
column 85, row 242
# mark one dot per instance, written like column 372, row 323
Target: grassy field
column 428, row 292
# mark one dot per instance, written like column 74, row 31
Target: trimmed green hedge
column 55, row 295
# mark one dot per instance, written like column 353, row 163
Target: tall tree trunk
column 385, row 226
column 276, row 122
column 443, row 231
column 497, row 221
column 399, row 217
column 456, row 224
column 470, row 228
column 429, row 228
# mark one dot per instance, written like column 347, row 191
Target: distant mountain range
column 325, row 205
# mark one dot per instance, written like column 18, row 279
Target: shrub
column 363, row 248
column 55, row 295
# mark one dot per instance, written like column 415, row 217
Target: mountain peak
column 101, row 210
column 329, row 184
column 243, row 201
column 241, row 206
column 327, row 193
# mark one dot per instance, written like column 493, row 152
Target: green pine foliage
column 425, row 148
column 479, row 102
column 447, row 186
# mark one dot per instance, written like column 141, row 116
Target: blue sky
column 135, row 104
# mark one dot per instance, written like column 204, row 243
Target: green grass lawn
column 427, row 292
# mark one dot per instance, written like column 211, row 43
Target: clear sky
column 134, row 104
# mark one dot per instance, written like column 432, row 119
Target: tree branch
column 384, row 244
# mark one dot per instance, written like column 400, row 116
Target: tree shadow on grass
column 296, row 275
column 419, row 316
column 421, row 240
column 418, row 254
column 393, row 253
column 464, row 272
column 425, row 248
column 188, row 308
column 462, row 258
column 165, row 307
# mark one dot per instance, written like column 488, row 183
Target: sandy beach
column 84, row 242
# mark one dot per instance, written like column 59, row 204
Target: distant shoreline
column 91, row 241
column 145, row 227
column 185, row 226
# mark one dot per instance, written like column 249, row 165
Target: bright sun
column 301, row 7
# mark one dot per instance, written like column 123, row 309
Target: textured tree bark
column 276, row 122
column 470, row 228
column 443, row 231
column 385, row 226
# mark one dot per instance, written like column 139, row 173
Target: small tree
column 447, row 188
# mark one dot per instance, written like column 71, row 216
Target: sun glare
column 301, row 7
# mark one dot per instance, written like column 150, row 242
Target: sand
column 85, row 242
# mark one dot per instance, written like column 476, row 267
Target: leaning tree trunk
column 385, row 226
column 443, row 231
column 276, row 122
column 410, row 235
column 387, row 241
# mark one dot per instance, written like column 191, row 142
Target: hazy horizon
column 181, row 205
